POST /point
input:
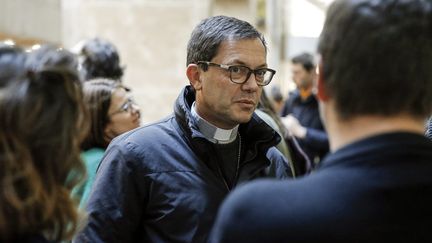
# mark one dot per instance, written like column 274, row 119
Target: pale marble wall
column 151, row 37
column 34, row 19
column 242, row 9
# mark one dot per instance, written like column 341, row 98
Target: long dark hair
column 42, row 123
column 97, row 98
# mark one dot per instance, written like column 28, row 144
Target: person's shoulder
column 256, row 194
column 276, row 156
column 271, row 193
column 269, row 205
column 267, row 119
column 257, row 206
column 143, row 141
column 267, row 208
column 147, row 134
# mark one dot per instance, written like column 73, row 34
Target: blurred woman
column 42, row 124
column 112, row 112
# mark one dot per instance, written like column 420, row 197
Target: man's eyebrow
column 239, row 62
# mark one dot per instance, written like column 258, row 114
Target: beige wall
column 34, row 19
column 242, row 9
column 151, row 37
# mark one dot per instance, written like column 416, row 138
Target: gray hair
column 211, row 32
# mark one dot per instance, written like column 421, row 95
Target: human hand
column 294, row 127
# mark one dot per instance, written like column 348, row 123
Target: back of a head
column 211, row 32
column 97, row 98
column 306, row 60
column 99, row 58
column 52, row 57
column 377, row 57
column 42, row 122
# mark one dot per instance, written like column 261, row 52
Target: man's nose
column 251, row 83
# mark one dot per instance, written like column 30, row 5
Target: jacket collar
column 257, row 135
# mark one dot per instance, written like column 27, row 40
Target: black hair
column 306, row 60
column 377, row 57
column 52, row 57
column 100, row 59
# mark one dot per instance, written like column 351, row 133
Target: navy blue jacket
column 161, row 182
column 375, row 190
column 315, row 144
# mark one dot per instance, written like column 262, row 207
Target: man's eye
column 261, row 72
column 235, row 69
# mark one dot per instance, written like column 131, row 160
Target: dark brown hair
column 42, row 123
column 97, row 98
column 306, row 60
column 100, row 59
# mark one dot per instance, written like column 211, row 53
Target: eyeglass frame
column 126, row 107
column 229, row 69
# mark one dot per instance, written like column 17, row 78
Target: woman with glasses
column 112, row 112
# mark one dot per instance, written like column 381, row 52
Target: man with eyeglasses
column 164, row 182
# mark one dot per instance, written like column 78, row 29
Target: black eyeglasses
column 126, row 107
column 239, row 74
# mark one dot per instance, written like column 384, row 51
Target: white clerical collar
column 213, row 133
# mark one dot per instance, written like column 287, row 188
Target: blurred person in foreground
column 42, row 123
column 164, row 182
column 375, row 92
column 112, row 111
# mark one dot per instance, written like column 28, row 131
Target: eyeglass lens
column 239, row 74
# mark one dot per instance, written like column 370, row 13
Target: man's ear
column 322, row 92
column 194, row 75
